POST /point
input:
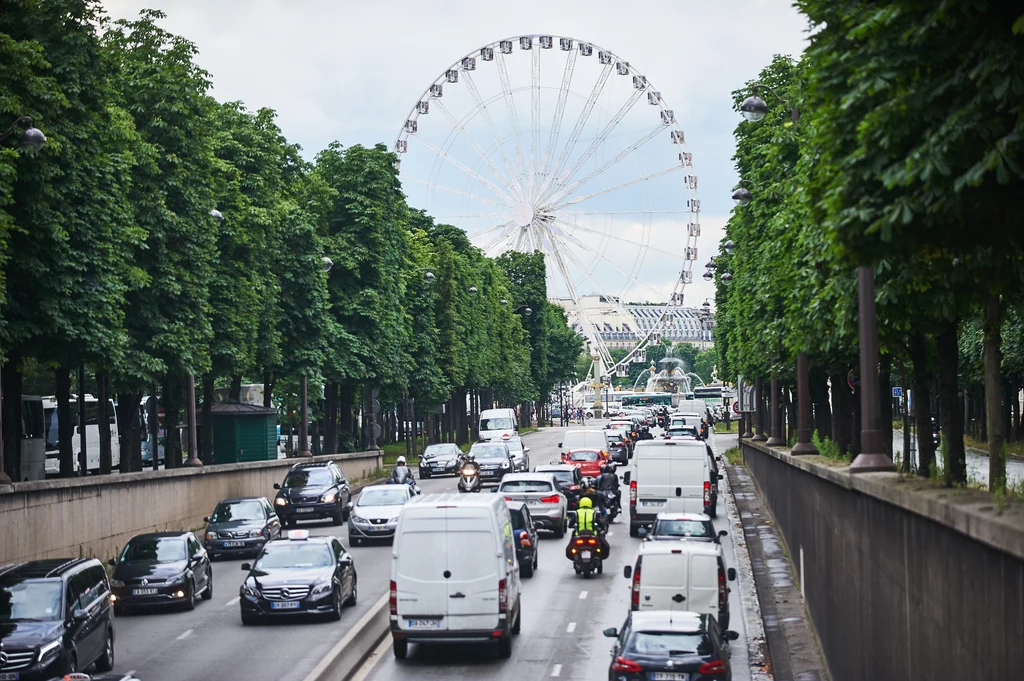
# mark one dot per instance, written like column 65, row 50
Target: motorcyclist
column 401, row 475
column 608, row 481
column 587, row 519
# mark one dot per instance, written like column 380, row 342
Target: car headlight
column 280, row 501
column 255, row 533
column 249, row 590
column 357, row 518
column 329, row 497
column 321, row 590
column 504, row 464
column 49, row 648
column 116, row 583
column 211, row 536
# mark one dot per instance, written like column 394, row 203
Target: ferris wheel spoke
column 484, row 156
column 606, row 212
column 469, row 195
column 510, row 105
column 534, row 117
column 621, row 239
column 469, row 171
column 563, row 95
column 629, row 183
column 502, row 237
column 485, row 112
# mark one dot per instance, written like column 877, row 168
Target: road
column 977, row 465
column 563, row 614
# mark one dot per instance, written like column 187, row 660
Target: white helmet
column 401, row 461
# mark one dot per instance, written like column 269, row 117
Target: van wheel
column 106, row 661
column 400, row 647
column 519, row 621
column 505, row 647
column 634, row 531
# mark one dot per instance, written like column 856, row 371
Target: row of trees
column 162, row 234
column 913, row 171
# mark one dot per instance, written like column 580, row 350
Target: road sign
column 851, row 379
column 376, row 430
column 897, row 391
column 736, row 407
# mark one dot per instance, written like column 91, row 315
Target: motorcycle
column 469, row 477
column 586, row 554
column 406, row 480
column 611, row 504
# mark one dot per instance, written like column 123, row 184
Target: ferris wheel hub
column 524, row 215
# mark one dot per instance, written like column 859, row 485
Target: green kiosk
column 243, row 432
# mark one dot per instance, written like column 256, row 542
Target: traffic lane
column 210, row 642
column 977, row 465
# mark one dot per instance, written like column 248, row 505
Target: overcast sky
column 350, row 71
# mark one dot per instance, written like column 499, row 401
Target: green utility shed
column 243, row 432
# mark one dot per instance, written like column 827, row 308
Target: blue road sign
column 897, row 391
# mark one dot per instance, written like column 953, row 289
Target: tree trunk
column 950, row 424
column 65, row 424
column 103, row 421
column 206, row 446
column 346, row 393
column 11, row 378
column 462, row 423
column 131, row 430
column 173, row 395
column 268, row 390
column 991, row 320
column 922, row 405
column 331, row 418
column 1007, row 409
column 235, row 391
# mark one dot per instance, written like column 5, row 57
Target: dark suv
column 313, row 490
column 55, row 618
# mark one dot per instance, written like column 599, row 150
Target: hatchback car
column 670, row 646
column 690, row 526
column 539, row 491
column 440, row 459
column 298, row 575
column 161, row 568
column 56, row 618
column 520, row 453
column 375, row 513
column 525, row 534
column 313, row 490
column 589, row 461
column 241, row 526
column 620, row 447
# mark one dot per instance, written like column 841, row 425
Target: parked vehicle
column 241, row 526
column 497, row 422
column 440, row 459
column 313, row 490
column 539, row 491
column 159, row 569
column 51, row 423
column 524, row 532
column 299, row 575
column 673, row 646
column 668, row 476
column 681, row 576
column 375, row 513
column 57, row 618
column 454, row 574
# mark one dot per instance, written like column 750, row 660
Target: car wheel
column 338, row 517
column 250, row 620
column 536, row 561
column 351, row 601
column 208, row 591
column 425, row 475
column 505, row 647
column 106, row 661
column 526, row 570
column 560, row 530
column 190, row 596
column 335, row 606
column 401, row 648
column 71, row 664
column 354, row 541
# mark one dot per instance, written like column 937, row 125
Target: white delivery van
column 681, row 575
column 668, row 476
column 92, row 434
column 497, row 422
column 584, row 439
column 454, row 573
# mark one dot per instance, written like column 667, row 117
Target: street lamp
column 31, row 139
column 729, row 246
column 327, row 263
column 754, row 108
column 741, row 196
column 726, row 278
column 708, row 276
column 526, row 310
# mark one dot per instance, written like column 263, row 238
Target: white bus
column 51, row 426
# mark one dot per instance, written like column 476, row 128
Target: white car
column 548, row 506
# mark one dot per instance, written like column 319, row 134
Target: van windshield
column 30, row 600
column 497, row 423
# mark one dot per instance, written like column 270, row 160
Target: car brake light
column 707, row 492
column 632, row 493
column 393, row 599
column 635, row 595
column 623, row 664
column 721, row 587
column 574, row 488
column 553, row 499
column 502, row 596
column 508, row 498
column 713, row 667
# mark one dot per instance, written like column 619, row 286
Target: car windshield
column 562, row 476
column 284, row 555
column 681, row 528
column 498, row 423
column 239, row 510
column 489, row 453
column 442, row 451
column 383, row 497
column 584, row 455
column 31, row 600
column 155, row 550
column 309, row 477
column 514, row 445
column 526, row 486
column 670, row 643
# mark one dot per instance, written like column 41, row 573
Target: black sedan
column 161, row 568
column 525, row 533
column 494, row 459
column 440, row 459
column 241, row 527
column 313, row 490
column 300, row 575
column 659, row 645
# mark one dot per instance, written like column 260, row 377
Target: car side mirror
column 731, row 635
column 626, row 476
column 611, row 632
column 731, row 574
column 112, row 562
column 246, row 567
column 627, row 571
column 206, row 519
column 525, row 450
column 80, row 614
column 559, row 444
column 722, row 533
column 277, row 485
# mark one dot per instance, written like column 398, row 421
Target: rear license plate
column 533, row 502
column 669, row 676
column 585, row 555
column 234, row 544
column 653, row 504
column 285, row 605
column 304, row 510
column 423, row 624
column 143, row 592
column 10, row 676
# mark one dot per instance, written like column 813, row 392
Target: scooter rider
column 401, row 475
column 608, row 481
column 588, row 520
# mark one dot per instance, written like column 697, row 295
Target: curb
column 347, row 656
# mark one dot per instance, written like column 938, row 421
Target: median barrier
column 343, row 661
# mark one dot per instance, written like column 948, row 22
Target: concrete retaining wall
column 901, row 580
column 94, row 516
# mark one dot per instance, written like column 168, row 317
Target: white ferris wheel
column 541, row 142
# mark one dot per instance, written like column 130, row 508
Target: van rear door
column 663, row 581
column 689, row 471
column 653, row 475
column 473, row 554
column 703, row 583
column 422, row 561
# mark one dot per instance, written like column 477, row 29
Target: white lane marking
column 129, row 675
column 608, row 534
column 231, row 602
column 556, row 670
column 185, row 634
column 583, row 594
column 571, row 628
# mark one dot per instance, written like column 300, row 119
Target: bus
column 712, row 394
column 646, row 399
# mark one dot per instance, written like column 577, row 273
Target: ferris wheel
column 541, row 142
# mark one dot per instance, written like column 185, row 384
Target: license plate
column 284, row 605
column 423, row 624
column 143, row 592
column 533, row 502
column 585, row 555
column 10, row 676
column 234, row 544
column 304, row 510
column 653, row 504
column 439, row 469
column 669, row 676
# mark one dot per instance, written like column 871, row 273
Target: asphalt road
column 563, row 614
column 977, row 465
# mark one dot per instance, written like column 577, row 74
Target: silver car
column 548, row 506
column 375, row 513
column 520, row 452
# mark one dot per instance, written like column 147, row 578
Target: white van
column 681, row 575
column 454, row 573
column 584, row 439
column 497, row 422
column 92, row 434
column 668, row 476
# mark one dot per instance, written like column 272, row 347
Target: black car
column 661, row 644
column 241, row 526
column 494, row 459
column 618, row 449
column 300, row 575
column 161, row 568
column 55, row 618
column 525, row 533
column 440, row 459
column 313, row 490
column 568, row 479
